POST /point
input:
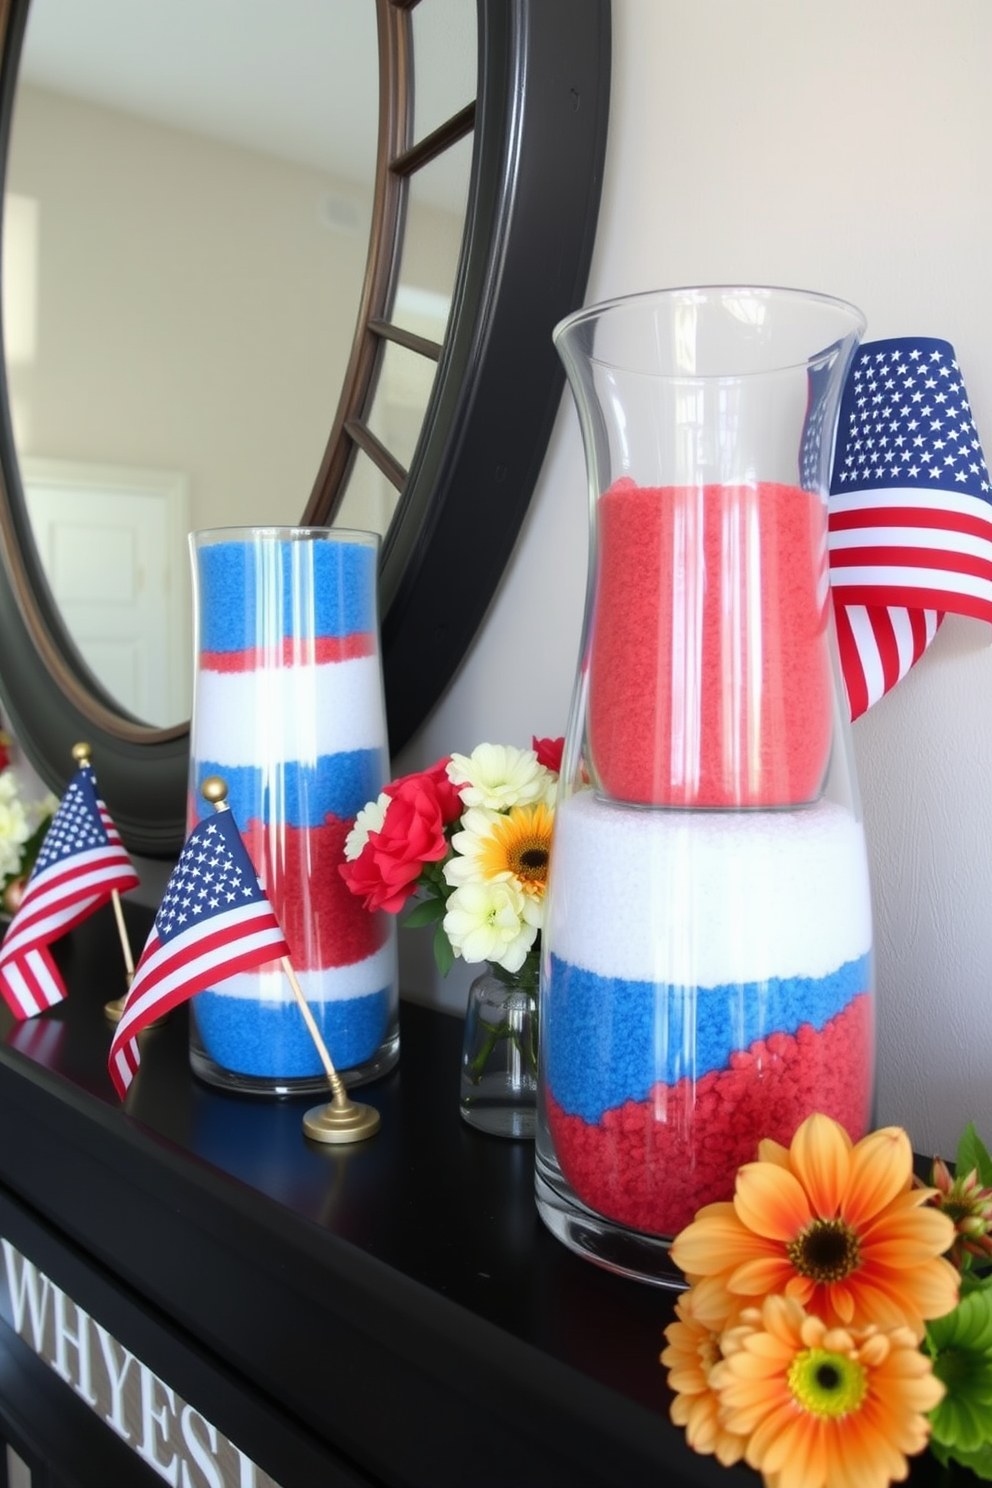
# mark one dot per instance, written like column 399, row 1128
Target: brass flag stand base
column 112, row 1010
column 342, row 1119
column 348, row 1122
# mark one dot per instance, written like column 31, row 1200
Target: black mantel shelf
column 393, row 1313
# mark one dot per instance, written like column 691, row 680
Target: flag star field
column 207, row 880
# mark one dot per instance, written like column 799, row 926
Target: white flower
column 15, row 828
column 491, row 922
column 369, row 819
column 505, row 847
column 470, row 844
column 46, row 807
column 499, row 776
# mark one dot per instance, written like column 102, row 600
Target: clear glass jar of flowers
column 470, row 840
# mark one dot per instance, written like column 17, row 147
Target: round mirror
column 459, row 230
column 183, row 261
column 160, row 377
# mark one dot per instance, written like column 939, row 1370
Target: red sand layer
column 292, row 651
column 709, row 672
column 651, row 1164
column 327, row 925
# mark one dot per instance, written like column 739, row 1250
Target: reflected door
column 110, row 547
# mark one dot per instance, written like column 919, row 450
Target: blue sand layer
column 301, row 795
column 252, row 594
column 608, row 1040
column 271, row 1038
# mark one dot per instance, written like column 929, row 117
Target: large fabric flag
column 910, row 511
column 81, row 863
column 214, row 920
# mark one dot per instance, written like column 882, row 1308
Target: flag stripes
column 214, row 920
column 62, row 897
column 31, row 983
column 910, row 515
column 878, row 644
column 82, row 862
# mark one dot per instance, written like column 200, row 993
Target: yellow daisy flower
column 515, row 847
column 520, row 844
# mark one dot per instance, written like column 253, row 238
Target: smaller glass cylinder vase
column 288, row 710
column 499, row 1058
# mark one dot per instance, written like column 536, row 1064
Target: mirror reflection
column 186, row 225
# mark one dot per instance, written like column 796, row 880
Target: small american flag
column 214, row 920
column 81, row 862
column 910, row 511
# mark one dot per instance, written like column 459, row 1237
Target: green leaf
column 973, row 1153
column 967, row 1326
column 960, row 1344
column 432, row 877
column 424, row 913
column 980, row 1461
column 961, row 1423
column 444, row 956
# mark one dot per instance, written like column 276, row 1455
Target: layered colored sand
column 651, row 1164
column 709, row 675
column 289, row 711
column 247, row 1023
column 710, row 978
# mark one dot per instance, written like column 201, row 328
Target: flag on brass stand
column 910, row 511
column 81, row 865
column 214, row 920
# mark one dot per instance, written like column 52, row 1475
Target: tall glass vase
column 706, row 977
column 288, row 709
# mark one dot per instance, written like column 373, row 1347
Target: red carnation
column 385, row 872
column 436, row 778
column 365, row 876
column 549, row 753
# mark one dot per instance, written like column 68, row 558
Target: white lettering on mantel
column 183, row 1447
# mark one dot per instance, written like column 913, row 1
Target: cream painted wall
column 842, row 147
column 196, row 305
column 196, row 308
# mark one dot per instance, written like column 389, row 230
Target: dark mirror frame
column 540, row 140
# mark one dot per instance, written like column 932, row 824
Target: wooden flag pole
column 342, row 1119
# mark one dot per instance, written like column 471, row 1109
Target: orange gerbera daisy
column 693, row 1351
column 837, row 1226
column 820, row 1406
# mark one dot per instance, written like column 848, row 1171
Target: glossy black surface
column 396, row 1308
column 419, row 1253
